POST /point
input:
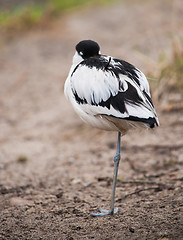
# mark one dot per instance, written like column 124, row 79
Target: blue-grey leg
column 103, row 212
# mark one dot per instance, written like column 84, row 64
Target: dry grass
column 170, row 85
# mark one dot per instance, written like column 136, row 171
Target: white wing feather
column 95, row 86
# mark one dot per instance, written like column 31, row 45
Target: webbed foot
column 104, row 212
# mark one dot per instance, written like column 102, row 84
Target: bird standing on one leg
column 109, row 94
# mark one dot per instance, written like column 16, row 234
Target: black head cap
column 87, row 48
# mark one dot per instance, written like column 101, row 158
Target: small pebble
column 132, row 230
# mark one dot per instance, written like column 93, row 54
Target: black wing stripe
column 117, row 102
column 127, row 69
column 150, row 121
column 148, row 97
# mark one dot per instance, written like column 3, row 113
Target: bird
column 109, row 94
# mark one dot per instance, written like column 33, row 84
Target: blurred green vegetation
column 23, row 17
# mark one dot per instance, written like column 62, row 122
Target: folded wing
column 112, row 87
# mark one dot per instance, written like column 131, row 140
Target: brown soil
column 54, row 169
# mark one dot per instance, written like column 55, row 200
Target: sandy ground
column 54, row 169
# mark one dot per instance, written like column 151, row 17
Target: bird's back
column 111, row 94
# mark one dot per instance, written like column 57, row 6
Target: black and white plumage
column 108, row 93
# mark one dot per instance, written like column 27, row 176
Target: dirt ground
column 54, row 169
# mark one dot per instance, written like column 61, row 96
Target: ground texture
column 55, row 170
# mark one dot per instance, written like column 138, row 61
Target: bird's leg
column 116, row 164
column 113, row 210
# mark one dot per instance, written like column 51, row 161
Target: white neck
column 76, row 59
